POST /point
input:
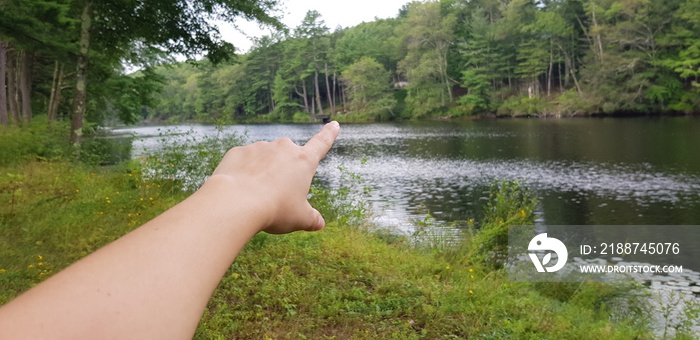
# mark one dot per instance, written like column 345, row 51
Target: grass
column 345, row 282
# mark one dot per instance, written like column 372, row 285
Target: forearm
column 152, row 283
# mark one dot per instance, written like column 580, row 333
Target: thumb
column 315, row 221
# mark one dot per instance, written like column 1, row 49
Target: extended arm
column 154, row 282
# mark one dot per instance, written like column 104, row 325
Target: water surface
column 585, row 171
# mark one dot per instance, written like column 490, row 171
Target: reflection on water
column 585, row 171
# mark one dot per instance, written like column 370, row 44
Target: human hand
column 275, row 178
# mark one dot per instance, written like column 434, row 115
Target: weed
column 183, row 162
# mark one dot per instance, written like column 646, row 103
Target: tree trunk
column 328, row 91
column 318, row 93
column 597, row 38
column 25, row 84
column 335, row 91
column 56, row 88
column 12, row 86
column 551, row 67
column 561, row 84
column 52, row 98
column 342, row 95
column 313, row 107
column 570, row 68
column 80, row 98
column 573, row 72
column 4, row 119
column 446, row 79
column 306, row 99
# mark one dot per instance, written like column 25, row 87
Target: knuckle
column 284, row 141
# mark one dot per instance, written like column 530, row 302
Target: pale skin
column 155, row 282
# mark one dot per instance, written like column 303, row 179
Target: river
column 584, row 171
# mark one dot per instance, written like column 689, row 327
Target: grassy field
column 347, row 281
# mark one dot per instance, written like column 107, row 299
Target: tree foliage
column 447, row 57
column 42, row 42
column 368, row 84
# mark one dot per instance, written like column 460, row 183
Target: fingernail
column 334, row 123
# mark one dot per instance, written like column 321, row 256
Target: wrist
column 235, row 203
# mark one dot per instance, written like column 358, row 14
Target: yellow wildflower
column 471, row 291
column 448, row 267
column 2, row 271
column 31, row 266
column 39, row 257
column 471, row 276
column 471, row 270
column 522, row 212
column 150, row 198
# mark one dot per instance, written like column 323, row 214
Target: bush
column 105, row 151
column 36, row 140
column 184, row 162
column 522, row 106
column 301, row 117
column 509, row 204
column 572, row 103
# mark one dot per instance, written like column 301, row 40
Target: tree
column 428, row 37
column 369, row 86
column 180, row 26
column 314, row 49
column 684, row 60
column 30, row 29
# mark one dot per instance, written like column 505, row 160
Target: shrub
column 521, row 106
column 184, row 162
column 36, row 140
column 301, row 117
column 510, row 203
column 105, row 151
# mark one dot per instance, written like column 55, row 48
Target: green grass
column 344, row 282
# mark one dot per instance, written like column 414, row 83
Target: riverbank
column 302, row 118
column 344, row 281
column 347, row 281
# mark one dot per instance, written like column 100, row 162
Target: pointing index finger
column 322, row 141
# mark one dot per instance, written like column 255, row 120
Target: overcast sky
column 345, row 13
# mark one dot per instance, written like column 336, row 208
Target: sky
column 345, row 13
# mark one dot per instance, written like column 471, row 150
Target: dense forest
column 66, row 59
column 454, row 58
column 448, row 58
